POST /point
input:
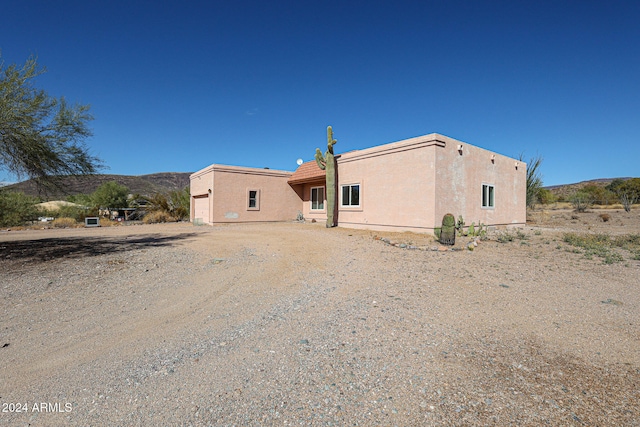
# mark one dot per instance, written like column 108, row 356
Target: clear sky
column 178, row 85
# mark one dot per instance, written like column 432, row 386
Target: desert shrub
column 604, row 246
column 157, row 216
column 64, row 222
column 581, row 201
column 17, row 208
column 174, row 204
column 534, row 180
column 627, row 192
column 599, row 195
column 505, row 237
column 108, row 222
column 604, row 217
column 546, row 197
column 79, row 213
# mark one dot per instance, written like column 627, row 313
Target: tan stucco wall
column 230, row 186
column 459, row 185
column 396, row 186
column 409, row 185
column 201, row 186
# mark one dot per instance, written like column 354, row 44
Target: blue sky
column 175, row 86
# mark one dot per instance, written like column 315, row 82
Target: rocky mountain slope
column 141, row 184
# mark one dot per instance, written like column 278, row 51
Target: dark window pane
column 355, row 195
column 345, row 195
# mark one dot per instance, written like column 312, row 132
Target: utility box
column 92, row 221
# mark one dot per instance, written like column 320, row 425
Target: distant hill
column 565, row 190
column 145, row 185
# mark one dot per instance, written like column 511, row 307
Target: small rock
column 503, row 285
column 304, row 341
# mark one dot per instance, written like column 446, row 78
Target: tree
column 600, row 195
column 534, row 180
column 110, row 195
column 16, row 208
column 546, row 197
column 173, row 205
column 41, row 137
column 581, row 200
column 629, row 193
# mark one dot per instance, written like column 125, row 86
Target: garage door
column 201, row 209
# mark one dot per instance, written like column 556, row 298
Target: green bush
column 174, row 204
column 604, row 246
column 17, row 208
column 505, row 237
column 581, row 201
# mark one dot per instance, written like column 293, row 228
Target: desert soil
column 295, row 324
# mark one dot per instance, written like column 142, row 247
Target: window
column 253, row 200
column 487, row 196
column 351, row 195
column 317, row 198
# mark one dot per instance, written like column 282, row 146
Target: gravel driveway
column 294, row 324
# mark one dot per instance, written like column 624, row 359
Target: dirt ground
column 295, row 324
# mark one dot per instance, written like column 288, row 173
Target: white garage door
column 201, row 209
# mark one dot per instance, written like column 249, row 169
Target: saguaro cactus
column 448, row 231
column 328, row 164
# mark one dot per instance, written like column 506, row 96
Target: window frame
column 256, row 199
column 488, row 196
column 322, row 202
column 350, row 196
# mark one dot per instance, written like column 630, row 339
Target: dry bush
column 106, row 222
column 157, row 216
column 64, row 222
column 604, row 217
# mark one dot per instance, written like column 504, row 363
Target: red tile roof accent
column 307, row 172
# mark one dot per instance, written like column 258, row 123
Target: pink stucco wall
column 319, row 215
column 461, row 174
column 404, row 186
column 409, row 185
column 396, row 186
column 228, row 196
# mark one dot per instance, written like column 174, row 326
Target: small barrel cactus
column 448, row 230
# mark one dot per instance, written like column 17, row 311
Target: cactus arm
column 330, row 141
column 320, row 160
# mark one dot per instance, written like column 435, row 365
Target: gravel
column 294, row 324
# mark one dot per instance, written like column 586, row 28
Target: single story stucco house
column 407, row 185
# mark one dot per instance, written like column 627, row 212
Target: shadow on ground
column 42, row 250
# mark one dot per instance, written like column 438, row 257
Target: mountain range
column 164, row 182
column 145, row 185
